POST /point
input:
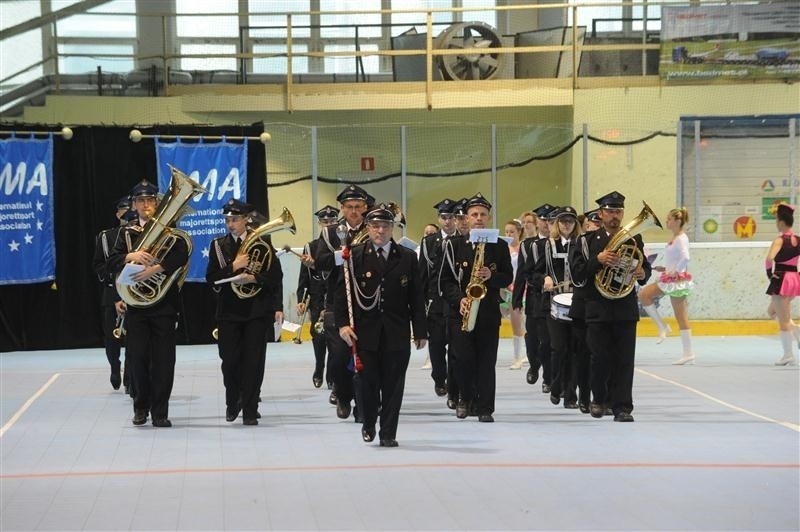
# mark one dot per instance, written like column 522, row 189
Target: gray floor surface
column 715, row 446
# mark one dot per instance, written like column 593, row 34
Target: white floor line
column 28, row 403
column 786, row 424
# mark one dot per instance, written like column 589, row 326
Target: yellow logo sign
column 744, row 227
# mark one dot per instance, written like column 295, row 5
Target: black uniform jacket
column 457, row 270
column 430, row 263
column 578, row 308
column 176, row 257
column 230, row 307
column 528, row 255
column 103, row 246
column 325, row 261
column 311, row 282
column 598, row 308
column 399, row 299
column 544, row 251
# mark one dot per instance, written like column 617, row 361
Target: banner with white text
column 27, row 243
column 221, row 168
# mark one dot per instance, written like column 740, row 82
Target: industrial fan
column 477, row 61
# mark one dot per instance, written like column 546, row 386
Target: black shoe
column 116, row 379
column 127, row 391
column 368, row 434
column 163, row 423
column 231, row 414
column 555, row 399
column 609, row 411
column 389, row 442
column 140, row 417
column 545, row 388
column 440, row 389
column 250, row 421
column 317, row 381
column 623, row 417
column 332, row 398
column 258, row 415
column 570, row 404
column 330, row 386
column 486, row 418
column 597, row 410
column 451, row 404
column 584, row 408
column 472, row 410
column 461, row 410
column 343, row 409
column 532, row 376
column 357, row 417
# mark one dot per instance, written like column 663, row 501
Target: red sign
column 744, row 227
column 368, row 164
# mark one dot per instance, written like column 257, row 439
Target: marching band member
column 674, row 281
column 151, row 329
column 537, row 341
column 243, row 323
column 611, row 323
column 513, row 230
column 476, row 350
column 112, row 307
column 385, row 297
column 552, row 273
column 430, row 262
column 311, row 285
column 353, row 200
column 784, row 280
column 577, row 312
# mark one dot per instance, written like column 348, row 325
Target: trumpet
column 297, row 338
column 119, row 331
column 288, row 249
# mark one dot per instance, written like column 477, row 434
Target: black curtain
column 90, row 172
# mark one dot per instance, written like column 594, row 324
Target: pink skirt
column 791, row 284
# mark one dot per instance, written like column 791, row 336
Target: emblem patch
column 404, row 281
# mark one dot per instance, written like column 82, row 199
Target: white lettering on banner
column 230, row 184
column 11, row 179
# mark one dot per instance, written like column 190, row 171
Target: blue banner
column 221, row 168
column 27, row 243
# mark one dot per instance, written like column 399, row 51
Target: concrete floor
column 715, row 446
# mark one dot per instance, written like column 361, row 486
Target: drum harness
column 551, row 252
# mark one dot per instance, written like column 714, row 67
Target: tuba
column 158, row 238
column 476, row 290
column 616, row 282
column 259, row 251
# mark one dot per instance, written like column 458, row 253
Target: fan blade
column 484, row 43
column 487, row 62
column 476, row 71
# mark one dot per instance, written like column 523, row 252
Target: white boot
column 796, row 333
column 788, row 354
column 663, row 328
column 688, row 354
column 427, row 364
column 519, row 356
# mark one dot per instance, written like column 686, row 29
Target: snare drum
column 559, row 307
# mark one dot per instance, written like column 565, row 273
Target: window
column 277, row 65
column 207, row 26
column 111, row 26
column 418, row 19
column 347, row 65
column 489, row 17
column 588, row 15
column 350, row 21
column 286, row 6
column 208, row 63
column 79, row 65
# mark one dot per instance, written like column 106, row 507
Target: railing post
column 403, row 172
column 314, row 174
column 56, row 69
column 429, row 61
column 574, row 47
column 585, row 134
column 289, row 74
column 164, row 54
column 495, row 202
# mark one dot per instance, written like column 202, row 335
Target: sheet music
column 484, row 235
column 126, row 275
column 290, row 326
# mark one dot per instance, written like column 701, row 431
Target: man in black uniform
column 537, row 338
column 311, row 287
column 430, row 263
column 103, row 245
column 610, row 323
column 243, row 322
column 475, row 350
column 150, row 329
column 327, row 259
column 384, row 295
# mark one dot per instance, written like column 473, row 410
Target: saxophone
column 158, row 238
column 476, row 290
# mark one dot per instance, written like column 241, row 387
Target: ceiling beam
column 38, row 22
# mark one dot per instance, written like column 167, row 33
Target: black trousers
column 242, row 346
column 532, row 343
column 477, row 357
column 437, row 345
column 151, row 348
column 613, row 346
column 318, row 343
column 562, row 363
column 339, row 357
column 383, row 381
column 545, row 350
column 111, row 344
column 582, row 361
